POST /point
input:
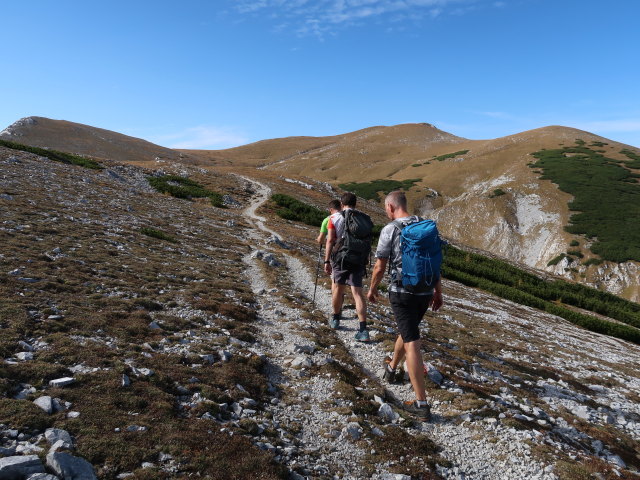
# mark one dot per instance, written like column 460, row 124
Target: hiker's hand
column 372, row 296
column 436, row 301
column 327, row 268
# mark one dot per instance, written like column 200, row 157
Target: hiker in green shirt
column 334, row 207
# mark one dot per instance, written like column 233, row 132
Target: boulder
column 45, row 403
column 434, row 375
column 19, row 467
column 353, row 430
column 61, row 382
column 68, row 467
column 54, row 435
column 387, row 414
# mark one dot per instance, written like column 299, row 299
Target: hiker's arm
column 376, row 277
column 331, row 240
column 321, row 238
column 436, row 299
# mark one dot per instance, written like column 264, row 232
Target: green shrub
column 497, row 192
column 635, row 163
column 517, row 285
column 574, row 243
column 298, row 211
column 152, row 232
column 556, row 260
column 55, row 155
column 182, row 187
column 23, row 414
column 370, row 190
column 416, row 164
column 598, row 144
column 575, row 253
column 593, row 261
column 580, row 142
column 446, row 156
column 605, row 202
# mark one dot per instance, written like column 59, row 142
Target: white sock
column 421, row 403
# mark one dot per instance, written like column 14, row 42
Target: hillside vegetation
column 606, row 195
column 372, row 190
column 54, row 155
column 553, row 296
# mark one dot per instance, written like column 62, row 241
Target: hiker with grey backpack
column 412, row 250
column 347, row 252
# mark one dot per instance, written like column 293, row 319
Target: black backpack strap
column 397, row 228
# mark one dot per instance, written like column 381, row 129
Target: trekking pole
column 317, row 275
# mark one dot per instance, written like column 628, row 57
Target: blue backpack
column 421, row 249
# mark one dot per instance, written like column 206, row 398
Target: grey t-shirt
column 389, row 248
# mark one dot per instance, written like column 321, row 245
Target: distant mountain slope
column 376, row 144
column 484, row 193
column 86, row 140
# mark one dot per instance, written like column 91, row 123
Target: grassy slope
column 109, row 280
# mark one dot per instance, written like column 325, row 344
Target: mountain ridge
column 525, row 222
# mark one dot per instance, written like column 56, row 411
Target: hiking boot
column 397, row 377
column 362, row 336
column 334, row 321
column 422, row 412
column 389, row 375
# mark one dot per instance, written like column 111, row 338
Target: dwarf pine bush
column 55, row 155
column 606, row 198
column 370, row 190
column 292, row 209
column 182, row 187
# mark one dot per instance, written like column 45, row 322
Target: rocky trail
column 499, row 454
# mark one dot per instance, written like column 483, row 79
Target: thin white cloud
column 320, row 17
column 204, row 137
column 499, row 115
column 621, row 125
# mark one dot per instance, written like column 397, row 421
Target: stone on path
column 386, row 413
column 353, row 430
column 434, row 375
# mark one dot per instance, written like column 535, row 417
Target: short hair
column 348, row 199
column 334, row 204
column 397, row 198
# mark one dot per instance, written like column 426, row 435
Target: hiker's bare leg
column 361, row 303
column 337, row 298
column 398, row 353
column 415, row 368
column 334, row 291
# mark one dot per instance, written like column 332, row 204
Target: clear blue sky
column 219, row 73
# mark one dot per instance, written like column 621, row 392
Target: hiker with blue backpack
column 347, row 254
column 412, row 249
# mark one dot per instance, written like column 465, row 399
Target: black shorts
column 409, row 310
column 346, row 277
